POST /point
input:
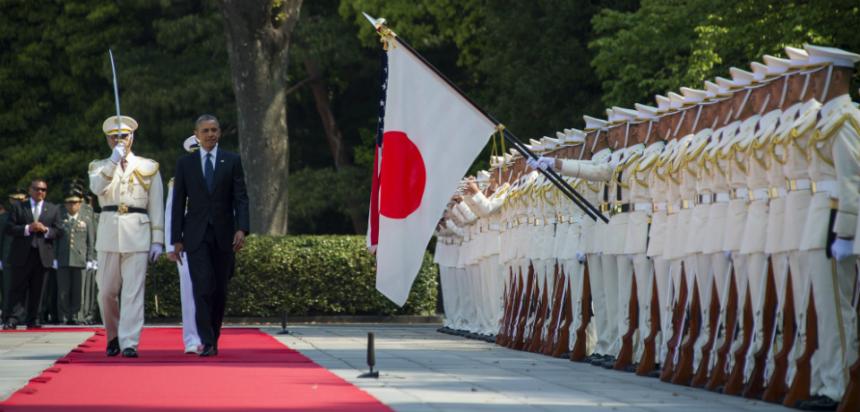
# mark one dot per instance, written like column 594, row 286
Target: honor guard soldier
column 130, row 232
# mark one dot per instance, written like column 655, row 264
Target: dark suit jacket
column 226, row 209
column 21, row 216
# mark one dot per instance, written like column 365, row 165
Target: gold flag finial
column 386, row 35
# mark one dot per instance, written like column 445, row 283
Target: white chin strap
column 827, row 83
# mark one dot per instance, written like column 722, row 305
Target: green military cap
column 18, row 194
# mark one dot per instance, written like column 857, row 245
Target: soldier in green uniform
column 89, row 313
column 74, row 252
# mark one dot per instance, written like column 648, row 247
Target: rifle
column 718, row 373
column 524, row 310
column 649, row 353
column 799, row 389
column 625, row 355
column 777, row 387
column 677, row 330
column 684, row 370
column 701, row 376
column 580, row 349
column 536, row 336
column 851, row 399
column 755, row 387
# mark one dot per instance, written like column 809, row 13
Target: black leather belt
column 123, row 209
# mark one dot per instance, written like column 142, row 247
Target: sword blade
column 115, row 88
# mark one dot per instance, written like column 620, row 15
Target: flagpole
column 549, row 173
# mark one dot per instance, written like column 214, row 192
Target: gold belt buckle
column 122, row 208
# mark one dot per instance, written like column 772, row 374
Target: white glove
column 54, row 265
column 543, row 162
column 90, row 265
column 95, row 265
column 155, row 251
column 842, row 248
column 580, row 257
column 1, row 265
column 118, row 153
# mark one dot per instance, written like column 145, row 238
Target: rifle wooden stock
column 851, row 400
column 625, row 355
column 701, row 377
column 563, row 342
column 579, row 351
column 799, row 389
column 535, row 340
column 555, row 313
column 684, row 369
column 649, row 352
column 776, row 387
column 516, row 308
column 755, row 386
column 719, row 374
column 735, row 384
column 525, row 310
column 500, row 335
column 677, row 330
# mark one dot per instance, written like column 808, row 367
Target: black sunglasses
column 40, row 189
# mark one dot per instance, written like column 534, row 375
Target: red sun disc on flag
column 402, row 178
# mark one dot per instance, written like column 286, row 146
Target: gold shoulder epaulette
column 146, row 167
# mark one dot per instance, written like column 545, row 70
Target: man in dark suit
column 18, row 195
column 34, row 225
column 210, row 219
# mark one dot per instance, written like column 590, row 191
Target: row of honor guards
column 728, row 261
column 68, row 291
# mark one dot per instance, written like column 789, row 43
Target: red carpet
column 252, row 372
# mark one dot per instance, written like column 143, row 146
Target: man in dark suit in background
column 34, row 225
column 210, row 219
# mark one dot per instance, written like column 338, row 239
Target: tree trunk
column 334, row 138
column 258, row 40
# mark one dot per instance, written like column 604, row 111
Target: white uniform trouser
column 575, row 272
column 664, row 298
column 704, row 283
column 780, row 277
column 493, row 284
column 757, row 266
column 122, row 314
column 598, row 297
column 644, row 272
column 739, row 262
column 624, row 276
column 609, row 266
column 722, row 270
column 189, row 322
column 832, row 286
column 449, row 297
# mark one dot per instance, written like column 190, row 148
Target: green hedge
column 304, row 275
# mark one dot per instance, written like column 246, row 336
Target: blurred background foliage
column 537, row 66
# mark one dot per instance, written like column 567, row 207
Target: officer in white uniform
column 130, row 233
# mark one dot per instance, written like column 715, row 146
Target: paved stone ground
column 423, row 370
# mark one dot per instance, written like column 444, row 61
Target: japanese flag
column 431, row 136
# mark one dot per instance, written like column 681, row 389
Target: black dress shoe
column 129, row 353
column 72, row 322
column 209, row 350
column 817, row 403
column 113, row 347
column 11, row 324
column 34, row 325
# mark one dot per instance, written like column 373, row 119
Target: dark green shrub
column 304, row 275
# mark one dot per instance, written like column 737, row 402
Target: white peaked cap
column 693, row 96
column 549, row 143
column 536, row 146
column 714, row 90
column 592, row 123
column 513, row 152
column 645, row 112
column 832, row 55
column 728, row 85
column 663, row 103
column 624, row 114
column 741, row 77
column 776, row 65
column 759, row 71
column 509, row 158
column 559, row 136
column 191, row 144
column 798, row 57
column 483, row 176
column 574, row 136
column 534, row 142
column 126, row 125
column 676, row 101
